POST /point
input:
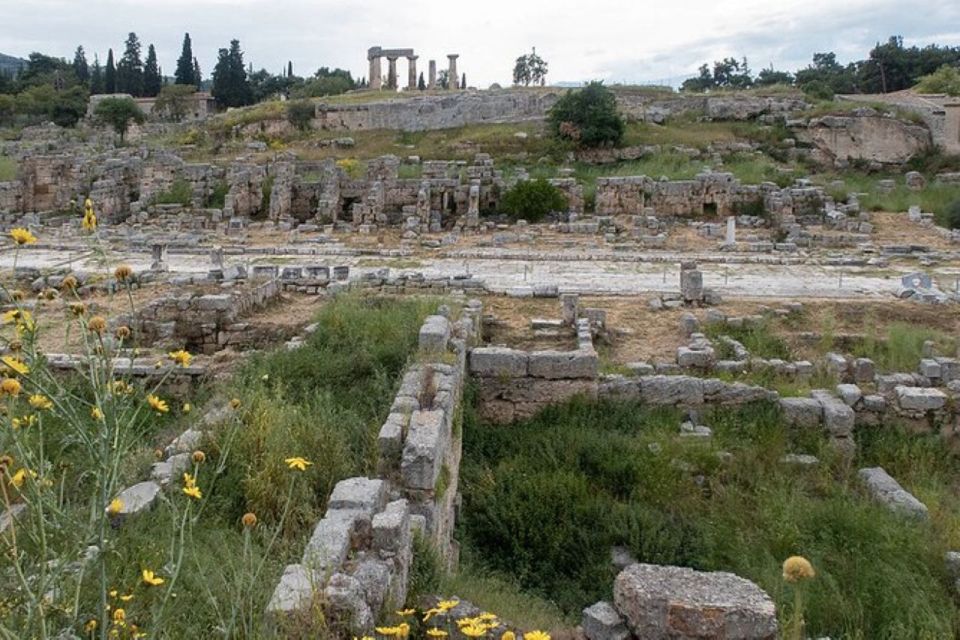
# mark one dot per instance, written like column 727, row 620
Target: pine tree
column 110, row 75
column 197, row 76
column 130, row 68
column 80, row 68
column 96, row 76
column 185, row 64
column 421, row 85
column 231, row 87
column 151, row 74
column 463, row 80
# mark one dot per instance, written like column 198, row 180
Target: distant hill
column 10, row 65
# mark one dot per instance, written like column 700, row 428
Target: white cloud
column 615, row 40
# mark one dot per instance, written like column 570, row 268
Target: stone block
column 330, row 541
column 346, row 597
column 423, row 450
column 391, row 527
column 390, row 438
column 669, row 603
column 801, row 412
column 434, row 334
column 497, row 362
column 359, row 494
column 838, row 418
column 850, row 394
column 294, row 592
column 554, row 365
column 688, row 358
column 671, row 390
column 884, row 489
column 920, row 399
column 138, row 498
column 601, row 621
column 864, row 370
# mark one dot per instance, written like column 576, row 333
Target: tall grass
column 901, row 348
column 545, row 499
column 8, row 169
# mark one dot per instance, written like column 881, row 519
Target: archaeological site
column 397, row 356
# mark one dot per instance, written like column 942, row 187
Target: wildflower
column 403, row 629
column 797, row 569
column 473, row 631
column 49, row 294
column 10, row 387
column 25, row 421
column 123, row 273
column 151, row 579
column 536, row 635
column 126, row 597
column 40, row 401
column 249, row 520
column 97, row 324
column 235, row 403
column 91, row 625
column 186, row 407
column 429, row 613
column 433, row 632
column 158, row 454
column 121, row 387
column 446, row 605
column 18, row 478
column 6, row 461
column 406, row 612
column 508, row 635
column 78, row 309
column 181, row 357
column 487, row 616
column 115, row 507
column 193, row 492
column 298, row 463
column 122, row 332
column 119, row 616
column 96, row 414
column 16, row 365
column 158, row 405
column 113, row 593
column 89, row 219
column 199, row 456
column 22, row 236
column 387, row 631
column 69, row 283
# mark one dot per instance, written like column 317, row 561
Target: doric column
column 412, row 72
column 375, row 77
column 392, row 72
column 452, row 76
column 432, row 84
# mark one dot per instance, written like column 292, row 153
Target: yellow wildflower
column 193, row 492
column 89, row 219
column 16, row 365
column 235, row 403
column 298, row 463
column 429, row 613
column 96, row 414
column 446, row 605
column 42, row 402
column 473, row 631
column 22, row 236
column 387, row 631
column 119, row 616
column 186, row 407
column 18, row 478
column 91, row 625
column 78, row 309
column 126, row 597
column 122, row 332
column 181, row 357
column 508, row 635
column 113, row 593
column 120, row 387
column 406, row 612
column 25, row 421
column 115, row 507
column 536, row 635
column 151, row 579
column 487, row 616
column 797, row 569
column 10, row 387
column 158, row 405
column 433, row 632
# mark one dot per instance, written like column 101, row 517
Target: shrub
column 587, row 117
column 119, row 113
column 532, row 200
column 178, row 193
column 300, row 114
column 818, row 89
column 953, row 215
column 218, row 197
column 946, row 80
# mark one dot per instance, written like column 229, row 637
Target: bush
column 119, row 113
column 179, row 192
column 818, row 89
column 300, row 113
column 588, row 117
column 946, row 80
column 532, row 200
column 953, row 215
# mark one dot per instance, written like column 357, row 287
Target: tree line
column 890, row 66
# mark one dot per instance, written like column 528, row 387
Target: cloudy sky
column 633, row 41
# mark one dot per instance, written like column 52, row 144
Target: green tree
column 69, row 106
column 80, row 68
column 587, row 117
column 768, row 77
column 530, row 69
column 826, row 70
column 532, row 200
column 152, row 82
column 118, row 113
column 174, row 101
column 130, row 68
column 300, row 113
column 184, row 73
column 8, row 108
column 110, row 75
column 946, row 80
column 421, row 84
column 196, row 74
column 289, row 68
column 463, row 80
column 231, row 87
column 96, row 76
column 702, row 83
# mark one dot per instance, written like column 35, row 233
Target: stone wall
column 356, row 564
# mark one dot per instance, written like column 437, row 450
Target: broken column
column 432, row 82
column 452, row 78
column 412, row 73
column 569, row 302
column 159, row 252
column 473, row 207
column 691, row 282
column 731, row 231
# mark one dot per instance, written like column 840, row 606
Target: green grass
column 179, row 192
column 8, row 169
column 759, row 339
column 934, row 198
column 545, row 499
column 900, row 349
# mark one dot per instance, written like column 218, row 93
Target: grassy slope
column 8, row 169
column 546, row 499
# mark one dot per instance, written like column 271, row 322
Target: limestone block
column 838, row 418
column 390, row 439
column 345, row 596
column 434, row 334
column 374, row 579
column 391, row 527
column 555, row 365
column 423, row 450
column 294, row 592
column 668, row 603
column 850, row 394
column 536, row 391
column 328, row 545
column 360, row 494
column 688, row 358
column 930, row 368
column 917, row 399
column 801, row 412
column 601, row 621
column 671, row 390
column 498, row 362
column 888, row 492
column 138, row 498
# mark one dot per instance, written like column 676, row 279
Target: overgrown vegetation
column 532, row 200
column 587, row 117
column 901, row 348
column 8, row 168
column 546, row 499
column 179, row 192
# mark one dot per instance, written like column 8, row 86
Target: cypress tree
column 185, row 64
column 96, row 76
column 463, row 80
column 151, row 74
column 290, row 69
column 197, row 76
column 110, row 75
column 130, row 68
column 421, row 85
column 80, row 68
column 231, row 88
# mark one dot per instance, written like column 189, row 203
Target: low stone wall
column 203, row 323
column 357, row 562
